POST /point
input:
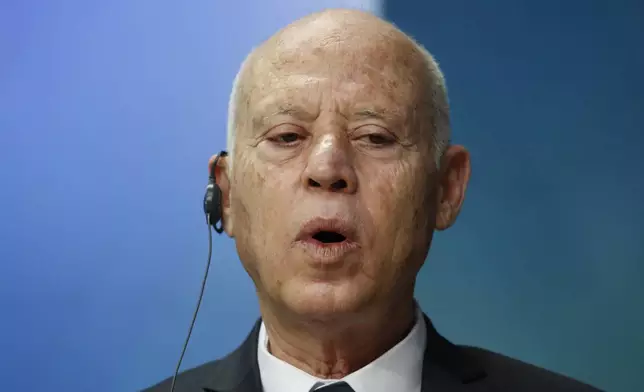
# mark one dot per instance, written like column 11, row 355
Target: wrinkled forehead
column 380, row 67
column 332, row 89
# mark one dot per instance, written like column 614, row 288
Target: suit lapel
column 447, row 368
column 238, row 372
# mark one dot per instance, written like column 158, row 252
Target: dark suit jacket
column 446, row 368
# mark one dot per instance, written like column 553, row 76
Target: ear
column 223, row 182
column 454, row 174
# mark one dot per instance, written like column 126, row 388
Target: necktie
column 335, row 387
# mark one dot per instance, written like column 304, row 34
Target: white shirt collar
column 399, row 369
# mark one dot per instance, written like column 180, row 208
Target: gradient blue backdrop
column 110, row 111
column 546, row 262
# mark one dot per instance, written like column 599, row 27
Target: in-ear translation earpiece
column 213, row 209
column 212, row 199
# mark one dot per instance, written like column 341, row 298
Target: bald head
column 343, row 32
column 352, row 44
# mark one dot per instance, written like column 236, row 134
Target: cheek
column 401, row 212
column 395, row 194
column 258, row 205
column 254, row 193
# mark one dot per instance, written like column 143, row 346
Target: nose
column 330, row 167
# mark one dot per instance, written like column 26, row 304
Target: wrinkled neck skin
column 333, row 347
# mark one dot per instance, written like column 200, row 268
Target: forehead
column 354, row 72
column 292, row 91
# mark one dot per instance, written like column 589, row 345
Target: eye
column 286, row 139
column 374, row 136
column 379, row 139
column 376, row 140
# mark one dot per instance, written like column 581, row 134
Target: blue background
column 110, row 111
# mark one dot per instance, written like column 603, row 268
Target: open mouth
column 329, row 237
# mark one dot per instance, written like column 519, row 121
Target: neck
column 335, row 348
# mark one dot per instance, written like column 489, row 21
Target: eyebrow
column 379, row 114
column 290, row 110
column 263, row 115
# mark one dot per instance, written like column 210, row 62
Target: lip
column 321, row 224
column 327, row 253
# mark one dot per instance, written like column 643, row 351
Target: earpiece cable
column 194, row 317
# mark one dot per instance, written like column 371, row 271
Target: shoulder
column 507, row 374
column 221, row 374
column 187, row 381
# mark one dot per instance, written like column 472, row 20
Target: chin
column 319, row 300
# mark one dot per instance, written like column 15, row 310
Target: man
column 339, row 172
